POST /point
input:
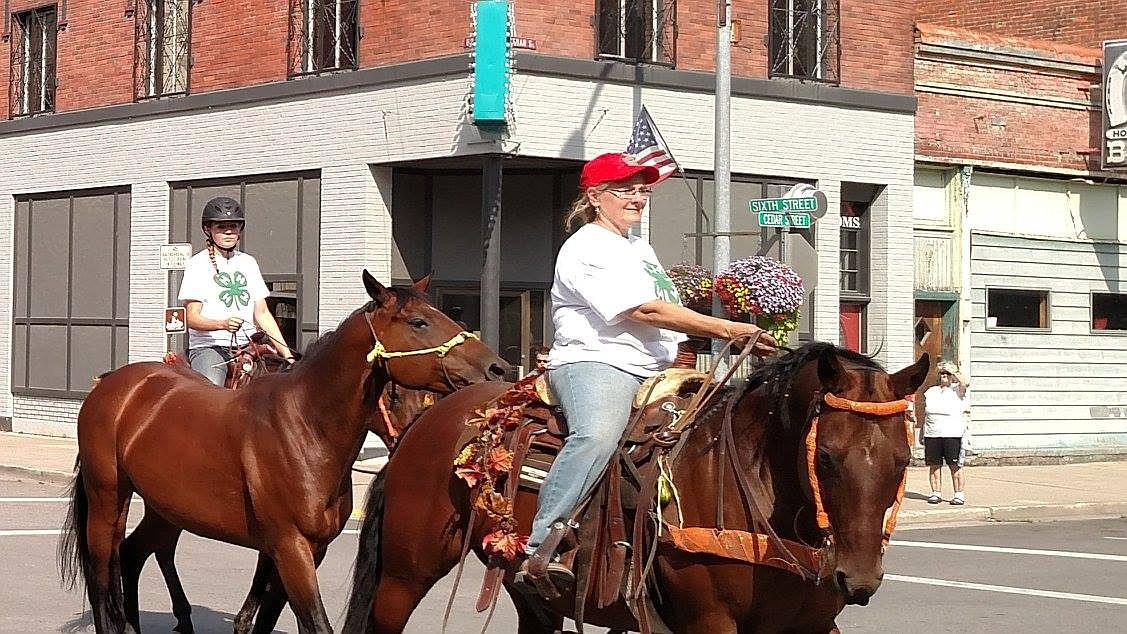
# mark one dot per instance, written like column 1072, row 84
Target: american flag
column 649, row 148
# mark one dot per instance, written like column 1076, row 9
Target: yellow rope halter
column 379, row 352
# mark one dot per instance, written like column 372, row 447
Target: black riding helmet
column 222, row 209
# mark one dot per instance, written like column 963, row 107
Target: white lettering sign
column 174, row 257
column 851, row 222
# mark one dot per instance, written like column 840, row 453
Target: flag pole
column 644, row 112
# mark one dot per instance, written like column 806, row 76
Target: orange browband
column 876, row 409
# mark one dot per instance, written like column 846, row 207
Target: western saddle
column 603, row 542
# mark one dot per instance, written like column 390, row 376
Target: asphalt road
column 1053, row 576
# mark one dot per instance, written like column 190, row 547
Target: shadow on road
column 204, row 620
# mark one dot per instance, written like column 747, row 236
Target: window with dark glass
column 854, row 249
column 1109, row 311
column 804, row 39
column 70, row 309
column 323, row 35
column 33, row 39
column 163, row 46
column 1017, row 308
column 636, row 30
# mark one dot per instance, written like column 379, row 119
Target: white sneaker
column 959, row 499
column 934, row 498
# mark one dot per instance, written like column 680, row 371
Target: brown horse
column 399, row 407
column 417, row 511
column 263, row 467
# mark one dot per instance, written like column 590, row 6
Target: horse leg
column 153, row 535
column 294, row 560
column 181, row 607
column 263, row 573
column 274, row 599
column 105, row 530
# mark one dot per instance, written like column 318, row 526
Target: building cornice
column 458, row 66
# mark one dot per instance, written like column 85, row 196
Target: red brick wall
column 244, row 43
column 1083, row 22
column 999, row 128
column 238, row 43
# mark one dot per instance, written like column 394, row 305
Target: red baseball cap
column 615, row 166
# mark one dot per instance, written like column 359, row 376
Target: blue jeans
column 210, row 361
column 596, row 398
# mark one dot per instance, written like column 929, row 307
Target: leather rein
column 768, row 548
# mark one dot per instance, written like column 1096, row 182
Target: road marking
column 1120, row 538
column 1072, row 596
column 34, row 499
column 1010, row 551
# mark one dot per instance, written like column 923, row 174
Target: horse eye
column 417, row 322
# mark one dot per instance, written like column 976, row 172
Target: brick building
column 346, row 128
column 1020, row 236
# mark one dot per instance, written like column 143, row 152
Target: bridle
column 829, row 399
column 380, row 354
column 768, row 548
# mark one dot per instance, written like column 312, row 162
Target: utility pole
column 722, row 168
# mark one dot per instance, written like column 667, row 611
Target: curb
column 1015, row 513
column 60, row 477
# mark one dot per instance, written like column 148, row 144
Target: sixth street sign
column 784, row 212
column 784, row 205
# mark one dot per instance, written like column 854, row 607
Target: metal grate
column 162, row 47
column 637, row 30
column 31, row 80
column 805, row 41
column 323, row 36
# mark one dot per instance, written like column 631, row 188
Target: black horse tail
column 73, row 551
column 367, row 568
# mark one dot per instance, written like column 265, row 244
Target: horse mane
column 778, row 375
column 402, row 295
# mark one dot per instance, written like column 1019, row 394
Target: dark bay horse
column 417, row 511
column 262, row 467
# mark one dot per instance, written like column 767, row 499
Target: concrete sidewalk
column 1010, row 493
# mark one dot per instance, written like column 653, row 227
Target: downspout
column 965, row 306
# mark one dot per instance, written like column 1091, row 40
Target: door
column 934, row 333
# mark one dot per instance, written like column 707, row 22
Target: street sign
column 777, row 219
column 174, row 256
column 804, row 204
column 175, row 320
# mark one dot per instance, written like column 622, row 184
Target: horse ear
column 423, row 284
column 908, row 380
column 373, row 286
column 829, row 368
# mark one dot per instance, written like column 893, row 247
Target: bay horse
column 415, row 527
column 262, row 467
column 398, row 407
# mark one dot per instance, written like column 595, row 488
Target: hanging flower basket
column 765, row 290
column 694, row 285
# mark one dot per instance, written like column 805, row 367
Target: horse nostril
column 842, row 582
column 496, row 371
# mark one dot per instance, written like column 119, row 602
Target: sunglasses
column 628, row 193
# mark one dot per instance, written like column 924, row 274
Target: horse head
column 854, row 458
column 421, row 348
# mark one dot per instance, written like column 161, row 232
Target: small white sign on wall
column 174, row 257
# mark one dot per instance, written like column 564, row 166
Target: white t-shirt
column 231, row 292
column 944, row 412
column 600, row 275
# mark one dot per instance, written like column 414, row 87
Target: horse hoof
column 184, row 627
